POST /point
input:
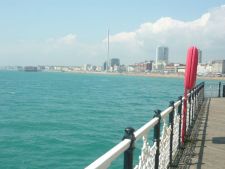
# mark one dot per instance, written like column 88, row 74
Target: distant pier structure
column 30, row 68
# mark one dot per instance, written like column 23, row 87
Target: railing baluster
column 171, row 122
column 180, row 115
column 223, row 90
column 196, row 106
column 219, row 89
column 157, row 137
column 193, row 106
column 128, row 154
column 189, row 111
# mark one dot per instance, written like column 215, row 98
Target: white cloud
column 122, row 37
column 69, row 39
column 206, row 32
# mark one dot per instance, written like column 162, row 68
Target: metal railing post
column 193, row 110
column 196, row 100
column 219, row 89
column 223, row 90
column 196, row 107
column 157, row 137
column 180, row 115
column 190, row 109
column 171, row 122
column 203, row 91
column 128, row 154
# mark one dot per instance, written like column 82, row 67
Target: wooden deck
column 209, row 149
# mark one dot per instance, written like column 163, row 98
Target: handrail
column 144, row 129
column 106, row 159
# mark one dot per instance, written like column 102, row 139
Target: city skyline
column 75, row 33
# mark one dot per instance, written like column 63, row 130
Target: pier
column 204, row 141
column 207, row 149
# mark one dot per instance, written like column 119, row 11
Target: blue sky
column 28, row 24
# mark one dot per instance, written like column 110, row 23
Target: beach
column 142, row 74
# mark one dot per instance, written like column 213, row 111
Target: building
column 175, row 68
column 123, row 68
column 179, row 68
column 199, row 56
column 131, row 68
column 204, row 69
column 162, row 55
column 114, row 65
column 87, row 67
column 141, row 67
column 218, row 67
column 170, row 68
column 114, row 62
column 99, row 68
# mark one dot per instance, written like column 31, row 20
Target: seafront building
column 114, row 65
column 145, row 66
column 215, row 68
column 204, row 69
column 174, row 68
column 114, row 62
column 162, row 57
column 87, row 67
column 218, row 67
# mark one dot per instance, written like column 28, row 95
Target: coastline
column 153, row 75
column 141, row 74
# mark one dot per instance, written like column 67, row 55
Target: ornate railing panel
column 147, row 157
column 164, row 147
column 176, row 132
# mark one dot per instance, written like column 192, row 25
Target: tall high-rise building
column 162, row 54
column 199, row 56
column 115, row 62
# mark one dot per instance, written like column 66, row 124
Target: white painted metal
column 147, row 157
column 176, row 131
column 164, row 147
column 176, row 104
column 104, row 161
column 144, row 129
column 166, row 112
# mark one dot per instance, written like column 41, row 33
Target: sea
column 52, row 120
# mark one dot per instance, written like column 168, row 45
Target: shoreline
column 153, row 75
column 141, row 74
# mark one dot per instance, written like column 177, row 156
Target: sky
column 74, row 32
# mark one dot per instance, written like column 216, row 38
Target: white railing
column 149, row 157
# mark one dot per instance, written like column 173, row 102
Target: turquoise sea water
column 64, row 121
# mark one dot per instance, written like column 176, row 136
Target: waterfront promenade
column 207, row 150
